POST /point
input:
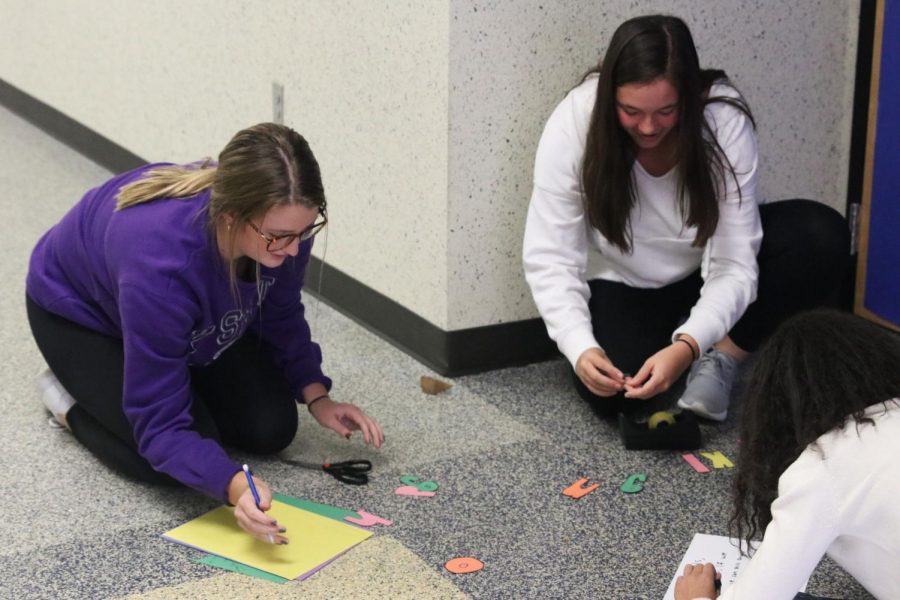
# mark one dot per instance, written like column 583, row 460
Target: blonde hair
column 261, row 167
column 167, row 182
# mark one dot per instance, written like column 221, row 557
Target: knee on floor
column 268, row 434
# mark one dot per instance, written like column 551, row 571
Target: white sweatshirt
column 840, row 499
column 561, row 250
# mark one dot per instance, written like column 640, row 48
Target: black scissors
column 353, row 472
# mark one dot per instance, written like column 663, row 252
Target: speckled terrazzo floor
column 502, row 445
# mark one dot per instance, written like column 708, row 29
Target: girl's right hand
column 251, row 519
column 598, row 374
column 698, row 581
column 659, row 372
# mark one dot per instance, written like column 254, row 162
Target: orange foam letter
column 578, row 489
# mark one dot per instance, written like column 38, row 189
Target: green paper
column 325, row 510
column 229, row 565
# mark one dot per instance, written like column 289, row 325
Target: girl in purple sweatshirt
column 167, row 306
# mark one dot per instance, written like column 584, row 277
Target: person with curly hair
column 817, row 470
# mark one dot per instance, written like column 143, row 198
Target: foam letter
column 408, row 490
column 464, row 564
column 718, row 459
column 368, row 519
column 422, row 486
column 578, row 489
column 695, row 462
column 631, row 485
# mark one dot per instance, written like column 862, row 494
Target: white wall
column 512, row 62
column 365, row 81
column 424, row 114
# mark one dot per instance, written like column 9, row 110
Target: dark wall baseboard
column 450, row 353
column 70, row 132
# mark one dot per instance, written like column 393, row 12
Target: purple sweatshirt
column 152, row 275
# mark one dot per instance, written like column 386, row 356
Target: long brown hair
column 263, row 166
column 643, row 50
column 818, row 371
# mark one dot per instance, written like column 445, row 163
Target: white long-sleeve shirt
column 562, row 251
column 841, row 497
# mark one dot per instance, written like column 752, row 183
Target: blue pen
column 252, row 485
column 253, row 491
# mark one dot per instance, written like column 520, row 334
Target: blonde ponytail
column 167, row 182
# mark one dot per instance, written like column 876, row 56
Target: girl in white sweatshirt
column 644, row 227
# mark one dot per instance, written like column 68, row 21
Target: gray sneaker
column 708, row 389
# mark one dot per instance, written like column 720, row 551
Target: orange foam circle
column 463, row 564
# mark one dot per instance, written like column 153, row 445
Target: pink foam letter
column 695, row 462
column 368, row 519
column 408, row 490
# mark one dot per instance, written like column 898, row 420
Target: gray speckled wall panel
column 425, row 114
column 512, row 62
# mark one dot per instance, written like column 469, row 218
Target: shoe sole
column 700, row 411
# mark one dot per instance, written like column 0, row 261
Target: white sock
column 55, row 397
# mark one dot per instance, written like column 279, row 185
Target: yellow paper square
column 314, row 540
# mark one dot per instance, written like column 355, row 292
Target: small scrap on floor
column 433, row 386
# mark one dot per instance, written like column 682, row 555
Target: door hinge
column 853, row 218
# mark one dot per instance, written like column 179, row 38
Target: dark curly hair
column 818, row 371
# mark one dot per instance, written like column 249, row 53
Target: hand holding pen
column 698, row 581
column 251, row 498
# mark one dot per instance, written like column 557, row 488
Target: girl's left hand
column 345, row 418
column 659, row 371
column 698, row 581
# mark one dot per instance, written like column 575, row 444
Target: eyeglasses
column 280, row 242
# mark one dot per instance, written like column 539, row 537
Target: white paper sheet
column 719, row 550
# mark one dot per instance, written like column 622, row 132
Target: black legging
column 241, row 400
column 804, row 254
